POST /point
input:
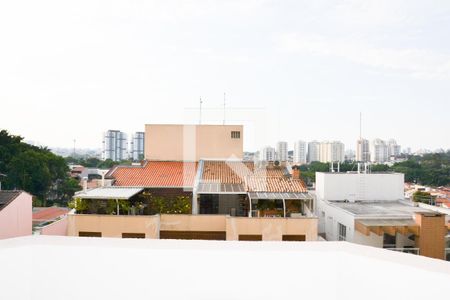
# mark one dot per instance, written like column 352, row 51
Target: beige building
column 193, row 142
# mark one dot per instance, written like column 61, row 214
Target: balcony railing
column 405, row 250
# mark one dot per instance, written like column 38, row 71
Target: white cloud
column 417, row 63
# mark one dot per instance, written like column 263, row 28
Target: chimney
column 85, row 180
column 296, row 172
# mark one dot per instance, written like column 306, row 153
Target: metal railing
column 405, row 250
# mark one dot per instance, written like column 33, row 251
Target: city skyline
column 307, row 77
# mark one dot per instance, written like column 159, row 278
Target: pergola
column 389, row 226
column 279, row 196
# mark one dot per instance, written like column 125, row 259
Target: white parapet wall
column 359, row 186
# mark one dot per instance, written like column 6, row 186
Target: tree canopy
column 429, row 169
column 34, row 169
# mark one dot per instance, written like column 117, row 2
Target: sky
column 290, row 70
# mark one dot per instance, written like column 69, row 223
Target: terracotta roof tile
column 156, row 174
column 49, row 213
column 275, row 184
column 263, row 179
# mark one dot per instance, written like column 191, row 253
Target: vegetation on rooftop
column 142, row 204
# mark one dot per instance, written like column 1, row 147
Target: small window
column 250, row 237
column 89, row 234
column 126, row 235
column 342, row 232
column 294, row 237
column 235, row 134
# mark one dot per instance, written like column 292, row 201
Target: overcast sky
column 290, row 69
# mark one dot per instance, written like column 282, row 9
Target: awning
column 279, row 196
column 389, row 226
column 105, row 193
column 220, row 188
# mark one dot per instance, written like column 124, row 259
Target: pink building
column 15, row 214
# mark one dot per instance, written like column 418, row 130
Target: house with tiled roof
column 216, row 194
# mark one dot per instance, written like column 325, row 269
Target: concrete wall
column 192, row 142
column 113, row 226
column 56, row 228
column 16, row 218
column 330, row 216
column 271, row 229
column 353, row 186
column 193, row 222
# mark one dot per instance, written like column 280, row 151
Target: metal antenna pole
column 224, row 97
column 200, row 121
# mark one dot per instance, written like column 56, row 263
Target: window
column 235, row 134
column 294, row 237
column 342, row 232
column 250, row 237
column 126, row 235
column 90, row 234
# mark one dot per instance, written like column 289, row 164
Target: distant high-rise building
column 137, row 146
column 393, row 148
column 114, row 145
column 363, row 150
column 379, row 151
column 313, row 151
column 299, row 152
column 282, row 151
column 267, row 154
column 331, row 151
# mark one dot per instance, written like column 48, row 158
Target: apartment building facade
column 115, row 145
column 300, row 152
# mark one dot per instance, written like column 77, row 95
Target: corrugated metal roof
column 122, row 193
column 222, row 188
column 387, row 222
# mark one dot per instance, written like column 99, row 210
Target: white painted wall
column 360, row 187
column 330, row 216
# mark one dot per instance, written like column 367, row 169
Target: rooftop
column 7, row 197
column 156, row 174
column 42, row 214
column 386, row 209
column 203, row 270
column 121, row 193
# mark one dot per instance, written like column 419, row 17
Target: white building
column 369, row 209
column 282, row 151
column 393, row 148
column 313, row 151
column 114, row 145
column 379, row 152
column 299, row 152
column 362, row 150
column 331, row 151
column 137, row 146
column 267, row 154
